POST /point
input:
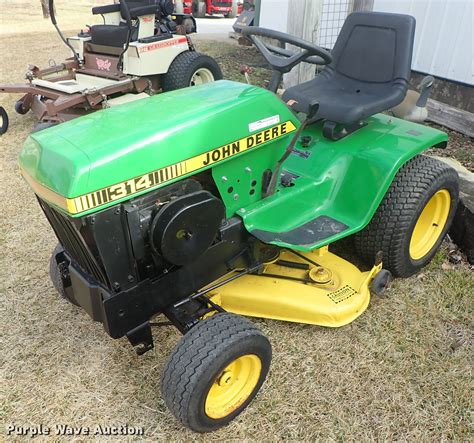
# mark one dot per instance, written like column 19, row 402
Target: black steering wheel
column 281, row 59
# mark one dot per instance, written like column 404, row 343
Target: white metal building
column 444, row 39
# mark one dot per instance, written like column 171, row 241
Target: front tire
column 233, row 13
column 189, row 69
column 215, row 371
column 413, row 218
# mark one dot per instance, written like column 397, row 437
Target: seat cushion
column 369, row 72
column 344, row 102
column 109, row 35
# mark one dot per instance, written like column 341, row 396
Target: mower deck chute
column 317, row 287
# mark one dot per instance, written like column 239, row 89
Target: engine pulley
column 186, row 227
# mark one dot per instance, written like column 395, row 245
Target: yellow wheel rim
column 233, row 386
column 430, row 224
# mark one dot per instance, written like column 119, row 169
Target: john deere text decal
column 155, row 178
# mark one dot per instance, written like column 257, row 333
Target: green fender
column 342, row 181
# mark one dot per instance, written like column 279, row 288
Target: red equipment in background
column 199, row 8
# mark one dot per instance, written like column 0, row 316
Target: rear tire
column 189, row 26
column 199, row 9
column 189, row 69
column 423, row 195
column 55, row 275
column 215, row 371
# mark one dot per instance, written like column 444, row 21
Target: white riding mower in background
column 141, row 48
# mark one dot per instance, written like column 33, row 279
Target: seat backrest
column 375, row 47
column 130, row 4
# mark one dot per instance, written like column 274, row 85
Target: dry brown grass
column 402, row 371
column 27, row 14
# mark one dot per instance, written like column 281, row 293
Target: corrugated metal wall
column 444, row 39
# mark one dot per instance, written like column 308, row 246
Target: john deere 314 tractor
column 222, row 199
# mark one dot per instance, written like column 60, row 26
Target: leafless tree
column 45, row 8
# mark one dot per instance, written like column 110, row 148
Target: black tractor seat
column 369, row 72
column 112, row 35
column 117, row 35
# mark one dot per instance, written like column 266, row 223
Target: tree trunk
column 303, row 22
column 45, row 8
column 234, row 12
column 179, row 6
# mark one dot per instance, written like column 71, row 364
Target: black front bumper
column 123, row 311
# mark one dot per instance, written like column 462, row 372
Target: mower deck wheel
column 381, row 282
column 215, row 371
column 19, row 108
column 3, row 120
column 413, row 218
column 55, row 275
column 189, row 69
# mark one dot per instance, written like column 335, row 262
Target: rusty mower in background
column 141, row 48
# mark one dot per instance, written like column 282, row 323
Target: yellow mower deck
column 336, row 292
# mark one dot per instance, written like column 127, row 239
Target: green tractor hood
column 130, row 149
column 240, row 132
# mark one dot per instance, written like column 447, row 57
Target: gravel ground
column 460, row 147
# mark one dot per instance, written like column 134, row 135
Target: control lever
column 313, row 109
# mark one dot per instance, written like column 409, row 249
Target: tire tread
column 180, row 69
column 388, row 228
column 195, row 352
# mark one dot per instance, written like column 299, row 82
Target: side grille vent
column 73, row 243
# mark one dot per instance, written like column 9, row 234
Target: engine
column 139, row 257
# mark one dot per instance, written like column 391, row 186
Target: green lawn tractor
column 223, row 199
